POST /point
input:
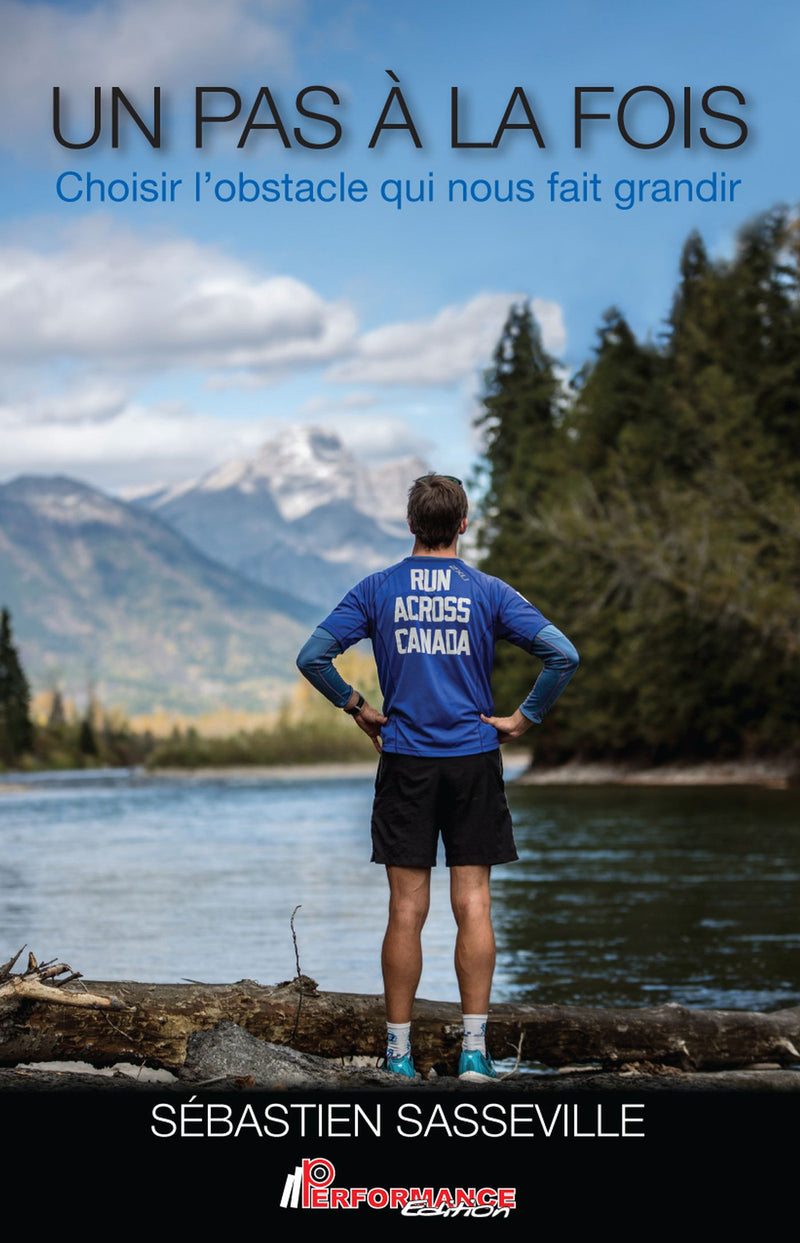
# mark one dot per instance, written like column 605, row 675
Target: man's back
column 433, row 623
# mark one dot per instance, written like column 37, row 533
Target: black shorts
column 460, row 796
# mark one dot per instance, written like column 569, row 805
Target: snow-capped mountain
column 302, row 515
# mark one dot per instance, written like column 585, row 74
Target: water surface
column 623, row 896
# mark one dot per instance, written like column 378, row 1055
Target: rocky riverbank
column 779, row 773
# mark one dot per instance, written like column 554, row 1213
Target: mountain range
column 195, row 596
column 302, row 514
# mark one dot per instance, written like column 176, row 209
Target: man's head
column 437, row 510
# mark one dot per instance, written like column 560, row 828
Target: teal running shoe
column 476, row 1067
column 401, row 1065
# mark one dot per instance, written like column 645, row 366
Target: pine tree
column 16, row 729
column 734, row 356
column 87, row 742
column 522, row 442
column 521, row 409
column 616, row 422
column 57, row 717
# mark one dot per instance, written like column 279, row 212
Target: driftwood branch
column 5, row 970
column 298, row 977
column 40, row 982
column 160, row 1018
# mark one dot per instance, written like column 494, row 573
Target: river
column 623, row 896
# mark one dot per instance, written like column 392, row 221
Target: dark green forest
column 650, row 509
column 16, row 729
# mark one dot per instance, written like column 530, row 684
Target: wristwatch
column 357, row 706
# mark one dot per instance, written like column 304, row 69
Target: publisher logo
column 311, row 1185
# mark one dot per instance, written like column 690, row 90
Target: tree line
column 65, row 739
column 650, row 509
column 304, row 730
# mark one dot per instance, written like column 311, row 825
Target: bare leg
column 401, row 957
column 475, row 945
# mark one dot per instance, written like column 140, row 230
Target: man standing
column 433, row 621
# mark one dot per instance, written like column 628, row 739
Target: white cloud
column 97, row 313
column 111, row 297
column 84, row 401
column 378, row 438
column 92, row 434
column 137, row 445
column 444, row 350
column 105, row 298
column 325, row 406
column 134, row 44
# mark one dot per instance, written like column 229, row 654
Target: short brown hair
column 437, row 506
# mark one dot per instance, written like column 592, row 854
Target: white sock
column 475, row 1032
column 398, row 1041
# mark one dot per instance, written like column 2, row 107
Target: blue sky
column 148, row 342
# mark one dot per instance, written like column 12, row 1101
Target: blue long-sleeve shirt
column 434, row 623
column 557, row 654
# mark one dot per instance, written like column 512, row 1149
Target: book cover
column 223, row 223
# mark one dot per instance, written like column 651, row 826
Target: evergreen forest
column 16, row 729
column 650, row 509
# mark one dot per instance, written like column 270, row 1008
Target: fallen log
column 158, row 1019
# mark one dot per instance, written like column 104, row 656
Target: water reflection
column 630, row 896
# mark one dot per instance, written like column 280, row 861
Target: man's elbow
column 565, row 656
column 305, row 660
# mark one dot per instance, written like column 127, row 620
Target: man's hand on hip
column 371, row 721
column 508, row 727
